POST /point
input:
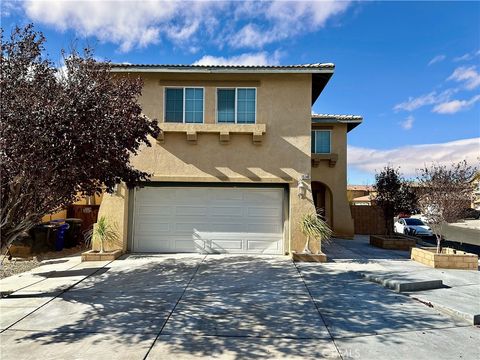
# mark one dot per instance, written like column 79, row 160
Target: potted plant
column 313, row 227
column 393, row 195
column 103, row 234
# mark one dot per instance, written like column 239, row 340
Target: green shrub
column 103, row 232
column 314, row 227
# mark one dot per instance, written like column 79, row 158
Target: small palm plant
column 103, row 232
column 314, row 227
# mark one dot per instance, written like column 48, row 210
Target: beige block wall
column 336, row 179
column 283, row 104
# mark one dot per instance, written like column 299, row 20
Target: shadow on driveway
column 238, row 307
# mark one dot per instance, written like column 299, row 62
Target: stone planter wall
column 298, row 257
column 392, row 242
column 448, row 259
column 92, row 255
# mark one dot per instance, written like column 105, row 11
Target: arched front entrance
column 323, row 200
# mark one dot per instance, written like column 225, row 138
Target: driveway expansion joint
column 174, row 307
column 318, row 310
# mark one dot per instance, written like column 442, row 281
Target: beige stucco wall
column 115, row 208
column 283, row 104
column 335, row 178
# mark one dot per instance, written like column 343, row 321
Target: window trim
column 183, row 105
column 315, row 140
column 236, row 96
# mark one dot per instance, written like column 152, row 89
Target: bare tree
column 444, row 192
column 62, row 133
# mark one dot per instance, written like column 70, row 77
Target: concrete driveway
column 229, row 307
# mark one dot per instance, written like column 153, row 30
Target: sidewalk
column 459, row 291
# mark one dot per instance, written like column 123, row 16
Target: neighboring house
column 476, row 191
column 364, row 200
column 356, row 191
column 239, row 161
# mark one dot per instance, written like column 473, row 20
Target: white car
column 412, row 226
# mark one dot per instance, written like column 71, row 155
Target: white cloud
column 431, row 98
column 134, row 23
column 127, row 23
column 454, row 106
column 259, row 58
column 407, row 124
column 467, row 56
column 437, row 59
column 280, row 20
column 411, row 158
column 251, row 36
column 468, row 75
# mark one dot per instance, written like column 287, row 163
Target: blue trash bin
column 60, row 238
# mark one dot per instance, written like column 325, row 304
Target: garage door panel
column 185, row 245
column 226, row 211
column 212, row 220
column 154, row 210
column 264, row 212
column 186, row 210
column 145, row 227
column 222, row 196
column 264, row 228
column 225, row 245
column 151, row 244
column 190, row 195
column 227, row 227
column 147, row 196
column 260, row 196
column 263, row 245
column 190, row 228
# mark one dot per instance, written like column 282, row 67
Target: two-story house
column 239, row 161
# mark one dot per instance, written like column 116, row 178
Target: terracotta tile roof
column 360, row 187
column 365, row 198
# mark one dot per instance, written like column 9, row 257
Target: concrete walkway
column 459, row 296
column 216, row 306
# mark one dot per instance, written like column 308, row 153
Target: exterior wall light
column 302, row 188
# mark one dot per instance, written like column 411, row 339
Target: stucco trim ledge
column 224, row 130
column 332, row 159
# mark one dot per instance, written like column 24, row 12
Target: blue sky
column 410, row 68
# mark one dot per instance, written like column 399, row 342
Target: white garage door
column 208, row 220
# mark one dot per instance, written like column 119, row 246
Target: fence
column 368, row 219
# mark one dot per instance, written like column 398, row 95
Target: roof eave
column 351, row 123
column 146, row 69
column 319, row 81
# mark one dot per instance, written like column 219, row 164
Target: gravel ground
column 16, row 266
column 19, row 265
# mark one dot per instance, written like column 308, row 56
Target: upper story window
column 184, row 105
column 237, row 105
column 321, row 141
